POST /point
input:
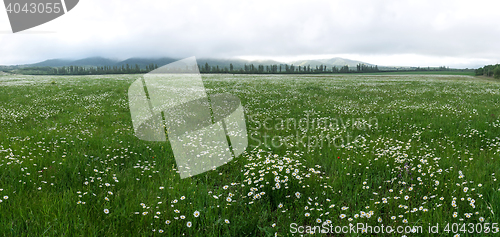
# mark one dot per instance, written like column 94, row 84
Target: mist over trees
column 231, row 67
column 79, row 70
column 285, row 69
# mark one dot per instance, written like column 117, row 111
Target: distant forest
column 489, row 71
column 206, row 68
column 268, row 69
column 78, row 70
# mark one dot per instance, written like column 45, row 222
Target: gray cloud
column 387, row 32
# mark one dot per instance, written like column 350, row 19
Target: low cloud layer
column 413, row 33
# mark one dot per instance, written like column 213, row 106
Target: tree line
column 206, row 68
column 489, row 71
column 79, row 70
column 245, row 69
column 284, row 69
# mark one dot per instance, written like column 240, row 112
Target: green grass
column 463, row 73
column 65, row 140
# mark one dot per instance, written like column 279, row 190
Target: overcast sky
column 400, row 33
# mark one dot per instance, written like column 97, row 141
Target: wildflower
column 196, row 214
column 5, row 197
column 318, row 220
column 227, row 221
column 189, row 224
column 160, row 231
column 106, row 211
column 182, row 198
column 380, row 219
column 167, row 222
column 342, row 216
column 280, row 205
column 228, row 199
column 307, row 214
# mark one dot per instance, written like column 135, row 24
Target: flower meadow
column 425, row 151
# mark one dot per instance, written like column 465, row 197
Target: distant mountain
column 86, row 62
column 143, row 62
column 338, row 62
column 94, row 61
column 52, row 63
column 222, row 63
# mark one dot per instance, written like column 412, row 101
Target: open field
column 398, row 150
column 455, row 72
